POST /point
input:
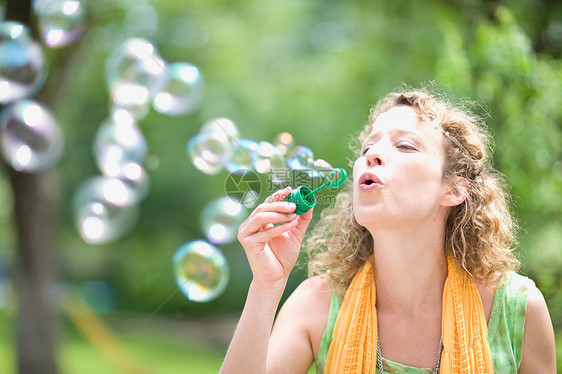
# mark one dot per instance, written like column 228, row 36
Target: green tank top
column 505, row 329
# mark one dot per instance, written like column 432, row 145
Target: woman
column 415, row 264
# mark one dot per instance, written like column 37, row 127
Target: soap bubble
column 104, row 209
column 209, row 151
column 117, row 144
column 267, row 158
column 61, row 22
column 221, row 124
column 22, row 63
column 136, row 178
column 182, row 92
column 300, row 158
column 284, row 143
column 119, row 149
column 320, row 169
column 30, row 137
column 201, row 271
column 135, row 73
column 221, row 218
column 243, row 154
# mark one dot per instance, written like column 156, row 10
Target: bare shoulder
column 308, row 307
column 299, row 327
column 311, row 300
column 539, row 352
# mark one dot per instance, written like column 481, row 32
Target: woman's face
column 398, row 178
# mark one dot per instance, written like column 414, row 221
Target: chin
column 366, row 219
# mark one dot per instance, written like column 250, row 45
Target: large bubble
column 30, row 137
column 300, row 158
column 209, row 151
column 320, row 168
column 61, row 22
column 243, row 155
column 104, row 209
column 116, row 145
column 201, row 271
column 183, row 90
column 268, row 159
column 221, row 218
column 22, row 64
column 225, row 125
column 135, row 73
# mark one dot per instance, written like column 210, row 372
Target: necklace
column 435, row 368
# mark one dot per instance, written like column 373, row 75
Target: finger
column 279, row 206
column 262, row 220
column 303, row 223
column 278, row 195
column 266, row 235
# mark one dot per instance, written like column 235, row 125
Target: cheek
column 423, row 180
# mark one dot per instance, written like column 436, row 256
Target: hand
column 272, row 251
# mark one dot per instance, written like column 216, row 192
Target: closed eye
column 365, row 150
column 406, row 147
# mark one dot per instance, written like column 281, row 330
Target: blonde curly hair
column 480, row 232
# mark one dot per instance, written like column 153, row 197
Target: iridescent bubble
column 135, row 73
column 201, row 271
column 243, row 154
column 136, row 178
column 30, row 137
column 117, row 144
column 209, row 151
column 22, row 64
column 183, row 90
column 221, row 218
column 300, row 158
column 61, row 22
column 221, row 124
column 319, row 169
column 284, row 143
column 268, row 159
column 104, row 209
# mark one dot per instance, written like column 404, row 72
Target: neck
column 410, row 269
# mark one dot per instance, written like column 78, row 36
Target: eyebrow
column 399, row 132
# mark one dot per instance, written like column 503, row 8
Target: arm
column 539, row 352
column 272, row 252
column 299, row 327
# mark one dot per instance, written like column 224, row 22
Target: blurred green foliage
column 313, row 69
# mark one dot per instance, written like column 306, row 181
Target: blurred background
column 123, row 124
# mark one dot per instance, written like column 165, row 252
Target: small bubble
column 30, row 137
column 201, row 271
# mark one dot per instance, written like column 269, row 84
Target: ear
column 456, row 193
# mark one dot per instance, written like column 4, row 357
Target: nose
column 373, row 157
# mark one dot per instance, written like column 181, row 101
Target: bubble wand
column 304, row 197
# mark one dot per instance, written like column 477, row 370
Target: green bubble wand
column 304, row 197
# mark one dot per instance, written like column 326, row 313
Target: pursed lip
column 369, row 181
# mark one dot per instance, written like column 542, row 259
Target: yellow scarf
column 465, row 344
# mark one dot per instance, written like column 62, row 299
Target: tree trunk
column 35, row 199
